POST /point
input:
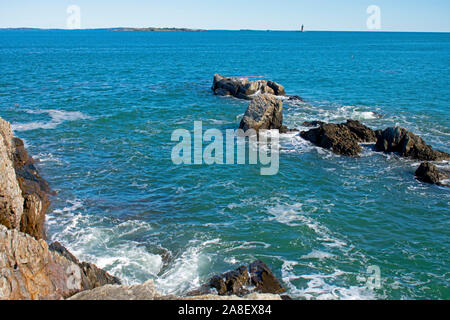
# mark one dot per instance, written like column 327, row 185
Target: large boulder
column 429, row 173
column 23, row 192
column 407, row 144
column 242, row 88
column 264, row 112
column 335, row 137
column 30, row 270
column 255, row 278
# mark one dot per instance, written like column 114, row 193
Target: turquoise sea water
column 98, row 109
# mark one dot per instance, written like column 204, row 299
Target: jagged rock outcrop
column 344, row 138
column 335, row 137
column 23, row 192
column 11, row 200
column 30, row 269
column 257, row 277
column 147, row 291
column 429, row 173
column 265, row 112
column 364, row 133
column 242, row 88
column 407, row 144
column 92, row 276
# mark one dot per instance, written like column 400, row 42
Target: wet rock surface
column 429, row 173
column 407, row 144
column 335, row 137
column 257, row 277
column 242, row 88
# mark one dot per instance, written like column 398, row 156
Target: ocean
column 98, row 107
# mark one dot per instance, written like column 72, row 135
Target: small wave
column 57, row 117
column 293, row 215
column 318, row 286
column 317, row 254
column 105, row 242
column 184, row 273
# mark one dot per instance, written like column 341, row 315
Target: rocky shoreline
column 32, row 269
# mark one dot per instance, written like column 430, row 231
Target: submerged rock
column 313, row 123
column 264, row 112
column 257, row 277
column 407, row 144
column 429, row 173
column 242, row 88
column 30, row 269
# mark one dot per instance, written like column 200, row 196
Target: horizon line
column 176, row 29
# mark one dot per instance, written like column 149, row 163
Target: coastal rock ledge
column 31, row 270
column 23, row 192
column 242, row 88
column 29, row 267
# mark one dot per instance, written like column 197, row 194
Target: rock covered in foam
column 242, row 88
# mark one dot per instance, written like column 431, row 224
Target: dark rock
column 232, row 283
column 407, row 144
column 92, row 276
column 335, row 137
column 365, row 134
column 295, row 99
column 263, row 279
column 257, row 277
column 312, row 123
column 429, row 173
column 242, row 88
column 264, row 112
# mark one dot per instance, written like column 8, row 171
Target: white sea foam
column 317, row 254
column 104, row 243
column 319, row 286
column 57, row 117
column 184, row 273
column 293, row 215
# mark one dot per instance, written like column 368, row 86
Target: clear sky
column 396, row 15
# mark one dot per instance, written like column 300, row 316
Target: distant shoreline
column 152, row 29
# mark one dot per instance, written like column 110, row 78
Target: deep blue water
column 98, row 109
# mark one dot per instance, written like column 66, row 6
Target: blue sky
column 396, row 15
